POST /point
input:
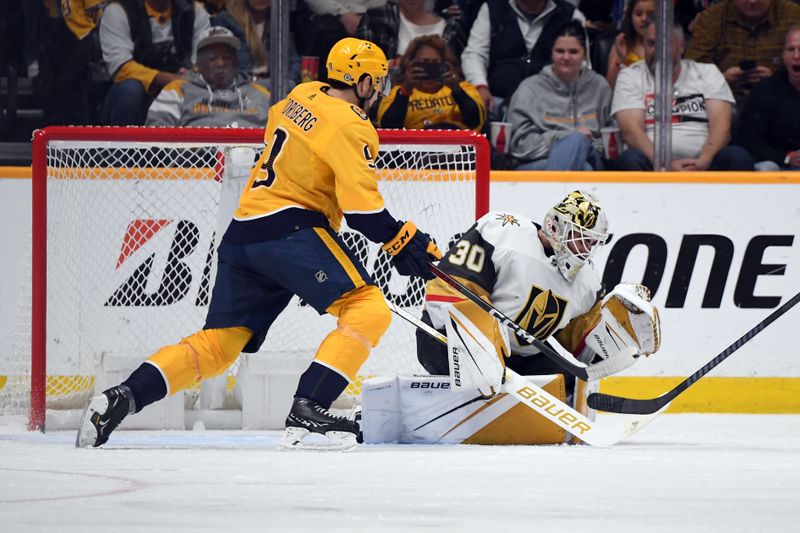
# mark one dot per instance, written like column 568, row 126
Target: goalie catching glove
column 477, row 347
column 412, row 251
column 629, row 327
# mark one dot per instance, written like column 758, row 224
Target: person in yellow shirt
column 629, row 44
column 318, row 166
column 82, row 16
column 432, row 93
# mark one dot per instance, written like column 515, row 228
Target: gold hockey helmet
column 576, row 228
column 350, row 59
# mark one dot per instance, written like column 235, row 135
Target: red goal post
column 83, row 177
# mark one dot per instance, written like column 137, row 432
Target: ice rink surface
column 681, row 473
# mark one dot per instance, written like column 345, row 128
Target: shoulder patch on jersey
column 507, row 219
column 312, row 96
column 360, row 112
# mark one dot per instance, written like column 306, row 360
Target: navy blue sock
column 321, row 384
column 147, row 385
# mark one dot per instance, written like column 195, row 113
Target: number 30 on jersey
column 468, row 254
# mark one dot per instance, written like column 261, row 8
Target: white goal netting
column 132, row 220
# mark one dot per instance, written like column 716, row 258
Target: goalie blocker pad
column 426, row 410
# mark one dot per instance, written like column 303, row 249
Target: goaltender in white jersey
column 543, row 278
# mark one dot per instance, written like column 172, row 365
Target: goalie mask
column 576, row 228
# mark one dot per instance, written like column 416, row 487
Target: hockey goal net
column 125, row 227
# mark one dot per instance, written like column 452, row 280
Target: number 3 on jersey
column 275, row 148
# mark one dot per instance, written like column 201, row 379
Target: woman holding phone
column 430, row 92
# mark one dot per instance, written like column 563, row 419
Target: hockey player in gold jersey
column 318, row 166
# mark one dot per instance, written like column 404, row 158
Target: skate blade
column 87, row 431
column 338, row 441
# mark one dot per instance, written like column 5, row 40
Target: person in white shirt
column 701, row 113
column 146, row 45
column 394, row 25
column 509, row 41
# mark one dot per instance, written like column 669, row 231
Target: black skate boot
column 102, row 416
column 307, row 416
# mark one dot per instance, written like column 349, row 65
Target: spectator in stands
column 744, row 38
column 73, row 79
column 770, row 126
column 146, row 44
column 83, row 16
column 431, row 92
column 213, row 93
column 330, row 21
column 249, row 22
column 629, row 45
column 557, row 114
column 393, row 26
column 509, row 41
column 462, row 11
column 701, row 112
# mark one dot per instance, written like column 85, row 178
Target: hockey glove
column 412, row 251
column 629, row 327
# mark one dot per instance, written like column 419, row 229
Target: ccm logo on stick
column 550, row 409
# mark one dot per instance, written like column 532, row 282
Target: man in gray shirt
column 213, row 95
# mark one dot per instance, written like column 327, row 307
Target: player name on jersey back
column 298, row 114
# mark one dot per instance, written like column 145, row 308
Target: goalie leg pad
column 476, row 352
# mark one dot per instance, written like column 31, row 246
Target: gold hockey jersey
column 319, row 157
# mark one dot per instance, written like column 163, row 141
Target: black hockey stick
column 574, row 369
column 616, row 404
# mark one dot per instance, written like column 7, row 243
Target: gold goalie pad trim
column 424, row 410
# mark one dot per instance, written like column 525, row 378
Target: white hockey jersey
column 502, row 258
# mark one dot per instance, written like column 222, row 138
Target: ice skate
column 102, row 415
column 307, row 417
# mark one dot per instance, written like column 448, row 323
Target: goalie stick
column 617, row 404
column 534, row 397
column 575, row 368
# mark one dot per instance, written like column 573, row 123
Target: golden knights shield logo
column 541, row 313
